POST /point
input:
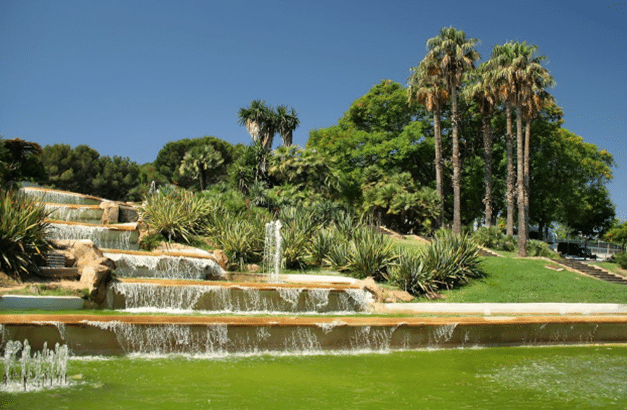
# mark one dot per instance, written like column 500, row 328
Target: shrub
column 411, row 274
column 621, row 259
column 150, row 242
column 448, row 261
column 339, row 256
column 539, row 248
column 298, row 228
column 177, row 215
column 242, row 241
column 494, row 238
column 370, row 253
column 23, row 230
column 321, row 244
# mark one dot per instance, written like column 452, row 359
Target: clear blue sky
column 126, row 77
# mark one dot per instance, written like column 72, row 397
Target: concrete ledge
column 22, row 302
column 503, row 308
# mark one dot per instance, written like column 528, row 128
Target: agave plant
column 23, row 231
column 178, row 216
column 370, row 254
column 411, row 274
column 298, row 228
column 452, row 258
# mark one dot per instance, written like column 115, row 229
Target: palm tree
column 520, row 74
column 254, row 117
column 198, row 161
column 287, row 122
column 481, row 91
column 455, row 54
column 429, row 90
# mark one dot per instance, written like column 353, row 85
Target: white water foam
column 164, row 266
column 41, row 370
column 101, row 236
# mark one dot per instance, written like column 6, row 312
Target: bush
column 621, row 259
column 339, row 255
column 320, row 246
column 298, row 228
column 242, row 241
column 176, row 215
column 539, row 248
column 370, row 253
column 411, row 274
column 448, row 261
column 493, row 238
column 23, row 230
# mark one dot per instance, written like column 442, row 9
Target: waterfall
column 60, row 212
column 101, row 236
column 26, row 372
column 164, row 267
column 57, row 197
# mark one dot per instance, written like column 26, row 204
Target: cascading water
column 272, row 252
column 58, row 197
column 60, row 212
column 150, row 297
column 164, row 266
column 102, row 236
column 26, row 372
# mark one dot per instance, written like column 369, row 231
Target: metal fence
column 602, row 249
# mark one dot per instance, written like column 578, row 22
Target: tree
column 20, row 160
column 71, row 169
column 117, row 177
column 618, row 233
column 287, row 122
column 429, row 91
column 199, row 161
column 169, row 158
column 518, row 73
column 455, row 54
column 481, row 91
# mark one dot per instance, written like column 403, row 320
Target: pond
column 564, row 377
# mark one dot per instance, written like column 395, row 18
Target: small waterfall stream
column 164, row 266
column 102, row 236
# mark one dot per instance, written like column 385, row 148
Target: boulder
column 110, row 212
column 252, row 268
column 371, row 286
column 401, row 295
column 93, row 268
column 221, row 258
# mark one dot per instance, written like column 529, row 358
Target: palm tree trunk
column 487, row 147
column 253, row 129
column 439, row 166
column 520, row 147
column 510, row 171
column 527, row 174
column 457, row 220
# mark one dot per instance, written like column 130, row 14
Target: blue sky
column 126, row 77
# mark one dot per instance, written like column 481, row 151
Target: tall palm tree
column 502, row 56
column 287, row 122
column 520, row 74
column 254, row 117
column 428, row 89
column 455, row 54
column 482, row 92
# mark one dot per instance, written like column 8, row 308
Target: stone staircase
column 592, row 270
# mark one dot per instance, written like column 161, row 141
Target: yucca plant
column 321, row 244
column 452, row 258
column 178, row 215
column 370, row 253
column 339, row 256
column 411, row 274
column 493, row 238
column 23, row 241
column 242, row 241
column 298, row 227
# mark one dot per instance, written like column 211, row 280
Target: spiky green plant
column 298, row 228
column 370, row 253
column 452, row 258
column 242, row 241
column 320, row 246
column 411, row 274
column 493, row 238
column 339, row 256
column 178, row 215
column 23, row 230
column 539, row 248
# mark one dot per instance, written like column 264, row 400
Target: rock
column 110, row 212
column 93, row 268
column 402, row 296
column 371, row 286
column 252, row 268
column 221, row 258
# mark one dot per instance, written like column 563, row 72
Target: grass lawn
column 512, row 280
column 612, row 267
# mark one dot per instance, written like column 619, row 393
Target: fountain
column 43, row 369
column 308, row 328
column 272, row 252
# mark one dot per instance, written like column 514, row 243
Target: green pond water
column 576, row 377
